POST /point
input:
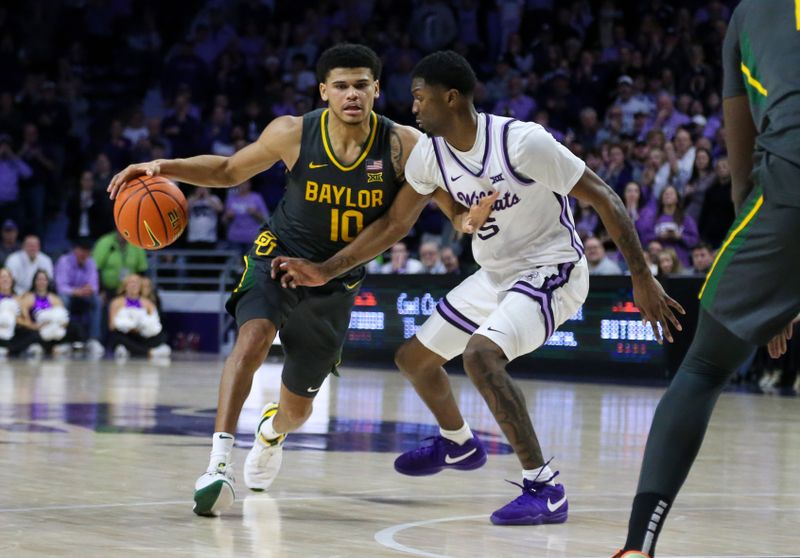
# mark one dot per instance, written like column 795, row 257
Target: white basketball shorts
column 518, row 319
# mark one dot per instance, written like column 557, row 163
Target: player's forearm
column 378, row 237
column 740, row 139
column 211, row 171
column 620, row 227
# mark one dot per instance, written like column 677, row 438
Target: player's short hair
column 348, row 55
column 703, row 246
column 447, row 69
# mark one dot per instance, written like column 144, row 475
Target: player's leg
column 312, row 339
column 456, row 446
column 424, row 369
column 259, row 305
column 679, row 426
column 214, row 489
column 443, row 336
column 526, row 317
column 761, row 251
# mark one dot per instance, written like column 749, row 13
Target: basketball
column 151, row 212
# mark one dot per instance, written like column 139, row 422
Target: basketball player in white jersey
column 533, row 274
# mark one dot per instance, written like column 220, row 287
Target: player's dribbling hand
column 297, row 272
column 777, row 345
column 118, row 183
column 478, row 213
column 656, row 306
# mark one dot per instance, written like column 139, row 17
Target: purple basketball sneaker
column 440, row 453
column 539, row 503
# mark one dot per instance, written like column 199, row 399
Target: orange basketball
column 151, row 212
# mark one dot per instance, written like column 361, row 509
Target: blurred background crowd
column 89, row 86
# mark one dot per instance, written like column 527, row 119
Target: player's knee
column 403, row 358
column 481, row 358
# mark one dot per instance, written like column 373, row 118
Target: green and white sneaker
column 264, row 460
column 213, row 491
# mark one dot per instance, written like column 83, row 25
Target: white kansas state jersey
column 531, row 224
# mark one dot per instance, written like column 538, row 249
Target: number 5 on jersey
column 345, row 225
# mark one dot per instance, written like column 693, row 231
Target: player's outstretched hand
column 297, row 272
column 777, row 345
column 478, row 213
column 656, row 306
column 120, row 180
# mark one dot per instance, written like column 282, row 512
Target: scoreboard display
column 606, row 334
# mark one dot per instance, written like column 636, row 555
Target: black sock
column 647, row 517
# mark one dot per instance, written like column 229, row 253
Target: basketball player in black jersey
column 345, row 169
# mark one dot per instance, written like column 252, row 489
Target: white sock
column 460, row 436
column 544, row 473
column 268, row 430
column 221, row 448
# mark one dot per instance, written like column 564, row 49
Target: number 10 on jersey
column 345, row 225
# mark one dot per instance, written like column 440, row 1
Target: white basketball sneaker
column 213, row 491
column 264, row 460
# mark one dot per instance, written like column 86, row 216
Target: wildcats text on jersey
column 509, row 199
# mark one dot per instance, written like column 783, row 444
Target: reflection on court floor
column 99, row 459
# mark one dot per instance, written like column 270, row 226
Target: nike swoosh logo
column 317, row 166
column 454, row 178
column 553, row 507
column 156, row 242
column 312, row 390
column 451, row 460
column 352, row 286
column 496, row 330
column 223, row 437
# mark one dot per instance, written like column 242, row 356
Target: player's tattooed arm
column 402, row 140
column 648, row 294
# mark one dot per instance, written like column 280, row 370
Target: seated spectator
column 12, row 171
column 134, row 323
column 77, row 285
column 617, row 172
column 15, row 336
column 89, row 210
column 702, row 258
column 429, row 257
column 9, row 242
column 400, row 262
column 587, row 222
column 150, row 293
column 245, row 211
column 680, row 157
column 670, row 226
column 669, row 263
column 44, row 311
column 23, row 264
column 450, row 261
column 694, row 193
column 635, row 203
column 115, row 258
column 599, row 262
column 718, row 212
column 204, row 211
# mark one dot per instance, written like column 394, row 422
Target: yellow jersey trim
column 797, row 13
column 365, row 150
column 753, row 81
column 244, row 274
column 736, row 231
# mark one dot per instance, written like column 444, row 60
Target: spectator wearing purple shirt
column 667, row 118
column 12, row 169
column 518, row 105
column 671, row 226
column 244, row 213
column 77, row 284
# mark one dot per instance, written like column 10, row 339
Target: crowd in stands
column 633, row 88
